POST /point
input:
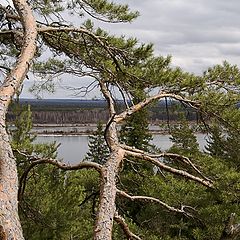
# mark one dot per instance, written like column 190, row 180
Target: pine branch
column 63, row 166
column 122, row 223
column 122, row 116
column 167, row 168
column 174, row 156
column 152, row 199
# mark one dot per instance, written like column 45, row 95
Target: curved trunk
column 10, row 227
column 107, row 206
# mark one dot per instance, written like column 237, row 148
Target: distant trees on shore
column 84, row 114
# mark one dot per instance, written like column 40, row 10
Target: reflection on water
column 74, row 148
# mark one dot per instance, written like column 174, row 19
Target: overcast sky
column 197, row 33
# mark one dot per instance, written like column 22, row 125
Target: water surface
column 74, row 148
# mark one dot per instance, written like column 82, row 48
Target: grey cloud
column 230, row 49
column 198, row 34
column 195, row 33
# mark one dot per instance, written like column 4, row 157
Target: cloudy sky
column 197, row 34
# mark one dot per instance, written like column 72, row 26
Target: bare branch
column 182, row 158
column 63, row 166
column 122, row 223
column 108, row 97
column 232, row 229
column 152, row 199
column 10, row 15
column 175, row 171
column 122, row 116
column 82, row 91
column 123, row 95
column 185, row 160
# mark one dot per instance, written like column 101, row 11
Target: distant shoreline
column 89, row 129
column 78, row 129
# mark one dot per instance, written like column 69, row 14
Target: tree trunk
column 106, row 211
column 10, row 227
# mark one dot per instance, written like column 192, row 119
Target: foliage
column 98, row 149
column 135, row 131
column 53, row 200
column 53, row 206
column 223, row 143
column 183, row 138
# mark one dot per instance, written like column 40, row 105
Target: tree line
column 59, row 114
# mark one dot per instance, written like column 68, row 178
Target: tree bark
column 108, row 190
column 10, row 227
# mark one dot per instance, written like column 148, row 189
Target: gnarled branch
column 167, row 168
column 122, row 116
column 152, row 199
column 122, row 223
column 174, row 156
column 63, row 166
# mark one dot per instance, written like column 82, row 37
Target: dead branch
column 123, row 95
column 122, row 223
column 175, row 171
column 152, row 199
column 87, row 198
column 10, row 15
column 187, row 161
column 108, row 97
column 179, row 157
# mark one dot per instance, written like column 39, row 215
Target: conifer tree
column 98, row 150
column 183, row 137
column 129, row 66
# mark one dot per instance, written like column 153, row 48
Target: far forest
column 59, row 111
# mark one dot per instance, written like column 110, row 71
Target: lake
column 73, row 148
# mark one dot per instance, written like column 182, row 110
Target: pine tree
column 216, row 143
column 135, row 131
column 98, row 149
column 183, row 137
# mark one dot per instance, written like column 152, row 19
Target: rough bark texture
column 108, row 189
column 10, row 227
column 107, row 208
